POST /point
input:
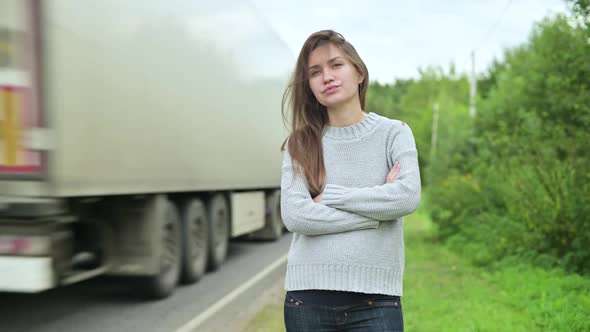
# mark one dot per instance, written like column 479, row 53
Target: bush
column 527, row 186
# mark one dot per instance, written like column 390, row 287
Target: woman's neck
column 345, row 117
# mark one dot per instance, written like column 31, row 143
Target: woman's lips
column 330, row 90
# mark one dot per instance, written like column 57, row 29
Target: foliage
column 514, row 180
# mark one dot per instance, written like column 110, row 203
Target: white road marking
column 202, row 317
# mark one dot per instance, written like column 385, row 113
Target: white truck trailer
column 136, row 138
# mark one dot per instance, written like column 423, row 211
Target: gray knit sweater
column 353, row 239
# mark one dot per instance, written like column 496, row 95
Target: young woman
column 348, row 179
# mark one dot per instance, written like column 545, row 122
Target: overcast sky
column 396, row 37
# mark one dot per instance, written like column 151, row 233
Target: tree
column 581, row 9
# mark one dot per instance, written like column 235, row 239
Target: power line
column 472, row 78
column 495, row 25
column 485, row 39
column 491, row 30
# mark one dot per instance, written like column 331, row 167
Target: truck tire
column 273, row 223
column 195, row 240
column 219, row 220
column 163, row 283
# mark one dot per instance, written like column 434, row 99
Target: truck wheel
column 273, row 223
column 163, row 283
column 195, row 240
column 273, row 220
column 218, row 230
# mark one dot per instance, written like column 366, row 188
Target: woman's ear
column 361, row 77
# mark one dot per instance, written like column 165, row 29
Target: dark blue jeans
column 377, row 314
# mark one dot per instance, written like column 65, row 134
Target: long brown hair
column 308, row 116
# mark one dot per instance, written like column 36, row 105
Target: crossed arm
column 399, row 196
column 343, row 209
column 302, row 215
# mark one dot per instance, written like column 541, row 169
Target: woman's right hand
column 393, row 173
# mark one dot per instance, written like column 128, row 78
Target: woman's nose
column 328, row 77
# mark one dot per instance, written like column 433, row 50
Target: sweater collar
column 355, row 131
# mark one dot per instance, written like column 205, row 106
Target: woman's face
column 333, row 79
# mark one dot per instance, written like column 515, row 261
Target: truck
column 137, row 138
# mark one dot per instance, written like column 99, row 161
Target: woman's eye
column 337, row 65
column 314, row 73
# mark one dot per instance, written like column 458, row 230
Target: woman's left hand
column 317, row 199
column 393, row 173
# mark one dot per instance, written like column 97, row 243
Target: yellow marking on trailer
column 10, row 131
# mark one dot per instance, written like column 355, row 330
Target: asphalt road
column 110, row 304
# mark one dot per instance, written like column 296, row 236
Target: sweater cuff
column 333, row 195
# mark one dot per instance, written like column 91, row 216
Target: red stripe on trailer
column 20, row 169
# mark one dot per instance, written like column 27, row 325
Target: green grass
column 269, row 319
column 444, row 292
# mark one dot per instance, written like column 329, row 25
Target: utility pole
column 472, row 86
column 433, row 142
column 434, row 132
